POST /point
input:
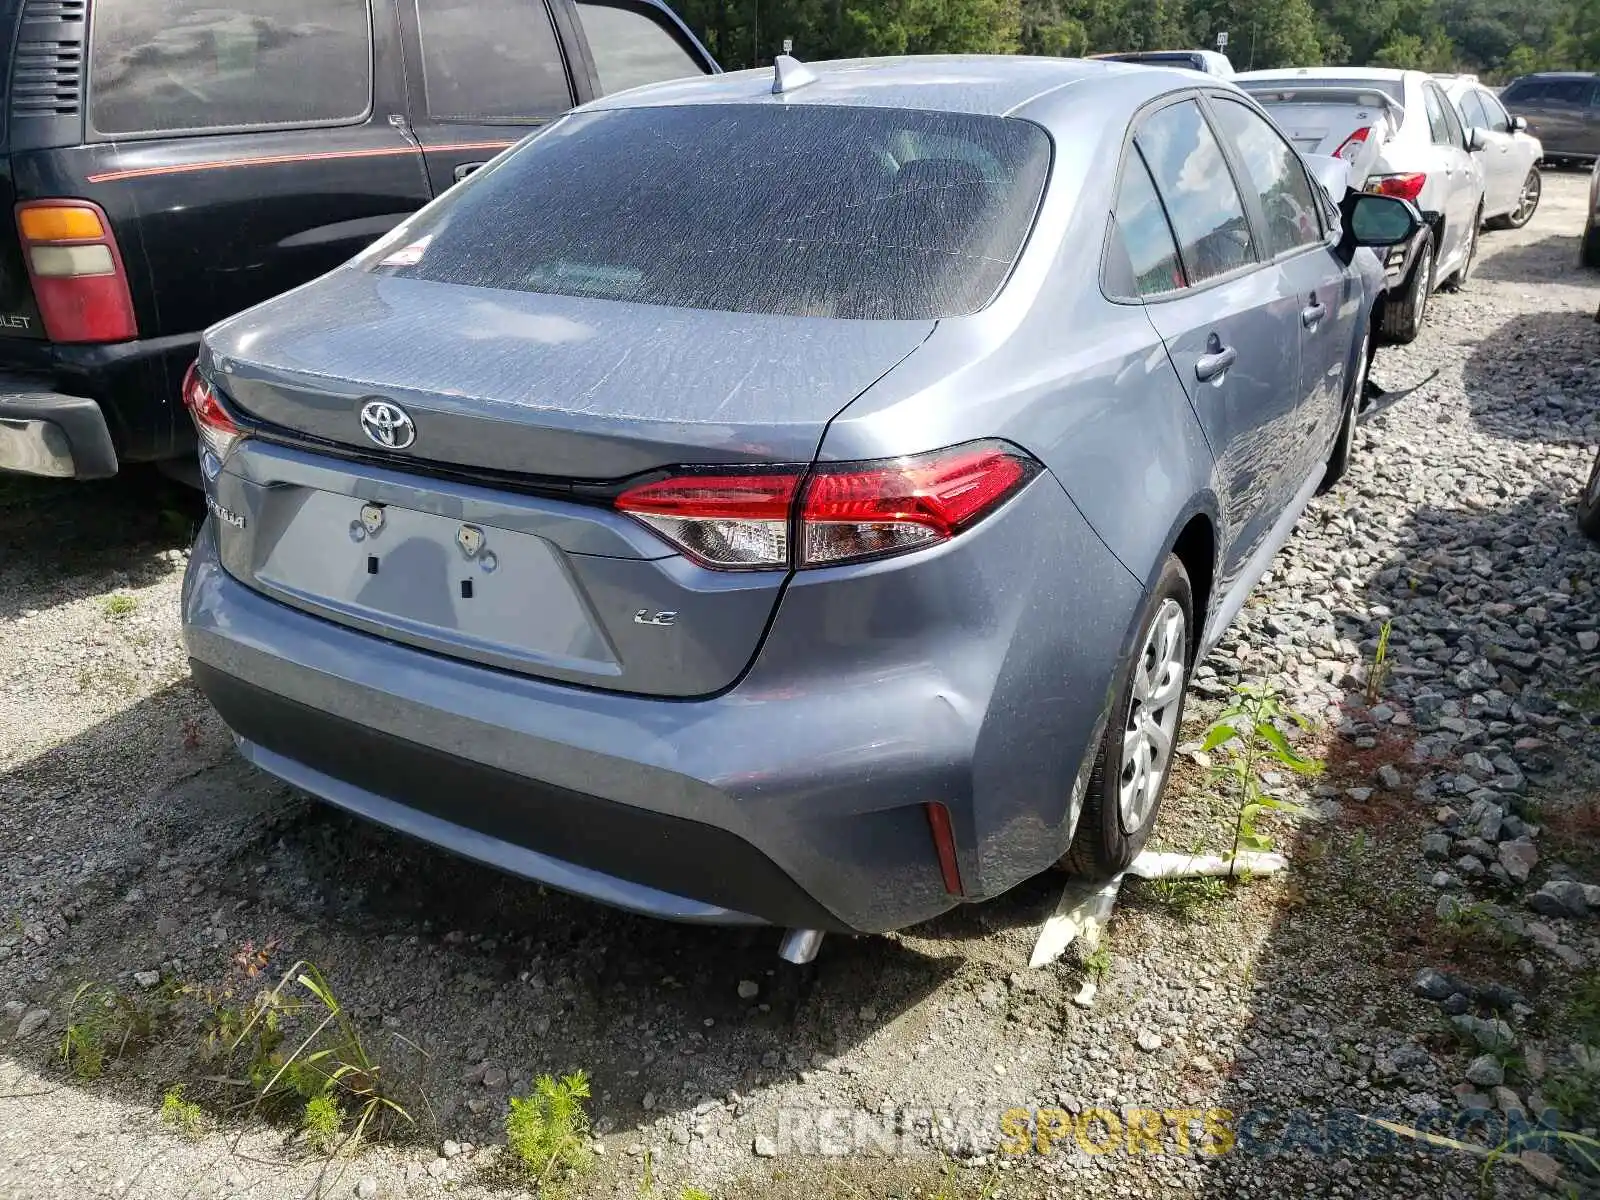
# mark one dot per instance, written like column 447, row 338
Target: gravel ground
column 1429, row 952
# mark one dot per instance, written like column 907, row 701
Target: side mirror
column 1383, row 220
column 1477, row 140
column 1519, row 124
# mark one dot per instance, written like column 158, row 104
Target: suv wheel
column 1589, row 503
column 1401, row 320
column 1135, row 756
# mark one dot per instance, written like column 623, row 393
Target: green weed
column 119, row 604
column 547, row 1131
column 1248, row 730
column 182, row 1115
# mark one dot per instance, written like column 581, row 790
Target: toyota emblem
column 387, row 424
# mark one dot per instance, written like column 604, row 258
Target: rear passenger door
column 1230, row 323
column 482, row 74
column 1461, row 174
column 1287, row 209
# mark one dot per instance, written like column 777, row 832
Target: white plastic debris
column 1083, row 910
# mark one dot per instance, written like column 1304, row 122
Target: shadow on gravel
column 1333, row 1012
column 183, row 854
column 60, row 540
column 1532, row 262
column 1537, row 378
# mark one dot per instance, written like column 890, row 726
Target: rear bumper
column 113, row 404
column 43, row 432
column 796, row 798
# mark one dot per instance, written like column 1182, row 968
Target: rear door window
column 810, row 210
column 632, row 46
column 1493, row 113
column 1438, row 124
column 491, row 60
column 1144, row 235
column 1472, row 114
column 1197, row 188
column 168, row 66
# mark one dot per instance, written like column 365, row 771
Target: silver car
column 793, row 497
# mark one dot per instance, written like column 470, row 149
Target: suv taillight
column 834, row 513
column 216, row 428
column 79, row 281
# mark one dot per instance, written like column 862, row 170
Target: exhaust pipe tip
column 800, row 946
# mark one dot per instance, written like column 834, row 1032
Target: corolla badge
column 387, row 424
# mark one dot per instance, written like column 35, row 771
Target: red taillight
column 848, row 511
column 217, row 430
column 1353, row 143
column 854, row 512
column 1407, row 187
column 79, row 281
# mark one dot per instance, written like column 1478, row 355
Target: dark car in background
column 1562, row 109
column 172, row 162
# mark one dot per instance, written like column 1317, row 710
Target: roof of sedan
column 985, row 85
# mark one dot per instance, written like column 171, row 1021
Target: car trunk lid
column 567, row 395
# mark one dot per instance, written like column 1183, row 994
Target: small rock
column 1507, row 1101
column 1486, row 1071
column 235, row 1180
column 1434, row 985
column 649, row 1101
column 147, row 979
column 1489, row 1032
column 1588, row 639
column 1518, row 857
column 1470, row 867
column 764, row 1147
column 32, row 1022
column 1085, row 994
column 1560, row 898
column 1389, row 777
column 494, row 1078
column 438, row 1167
column 450, row 1149
column 749, row 989
column 366, row 1187
column 1436, row 846
column 1149, row 1041
column 1541, row 1166
column 1359, row 794
column 867, row 1013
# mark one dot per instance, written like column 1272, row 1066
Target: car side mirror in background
column 1519, row 124
column 1477, row 140
column 1382, row 220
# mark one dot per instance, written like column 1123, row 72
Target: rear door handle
column 464, row 169
column 1209, row 366
column 1311, row 316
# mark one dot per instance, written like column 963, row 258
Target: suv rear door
column 1560, row 113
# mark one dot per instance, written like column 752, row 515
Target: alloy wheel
column 1528, row 200
column 1152, row 726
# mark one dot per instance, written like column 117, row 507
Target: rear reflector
column 944, row 845
column 1353, row 143
column 216, row 428
column 1407, row 187
column 78, row 278
column 842, row 512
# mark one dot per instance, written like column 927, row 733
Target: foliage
column 183, row 1116
column 1186, row 898
column 119, row 604
column 322, row 1120
column 1378, row 672
column 1497, row 38
column 1248, row 730
column 548, row 1131
column 103, row 1023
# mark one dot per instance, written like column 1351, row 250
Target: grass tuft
column 548, row 1131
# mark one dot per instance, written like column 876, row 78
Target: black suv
column 1562, row 109
column 171, row 162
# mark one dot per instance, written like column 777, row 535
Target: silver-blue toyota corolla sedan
column 792, row 497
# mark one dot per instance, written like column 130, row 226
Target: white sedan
column 1511, row 155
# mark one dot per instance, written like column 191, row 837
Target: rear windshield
column 1159, row 58
column 1366, row 92
column 878, row 214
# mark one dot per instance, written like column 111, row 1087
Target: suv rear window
column 158, row 66
column 633, row 46
column 864, row 213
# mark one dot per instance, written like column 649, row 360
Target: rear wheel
column 1459, row 277
column 1527, row 203
column 1135, row 755
column 1344, row 443
column 1589, row 503
column 1401, row 320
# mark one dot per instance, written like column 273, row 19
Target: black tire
column 1344, row 440
column 1589, row 503
column 1527, row 204
column 1402, row 316
column 1458, row 278
column 1102, row 844
column 1589, row 250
